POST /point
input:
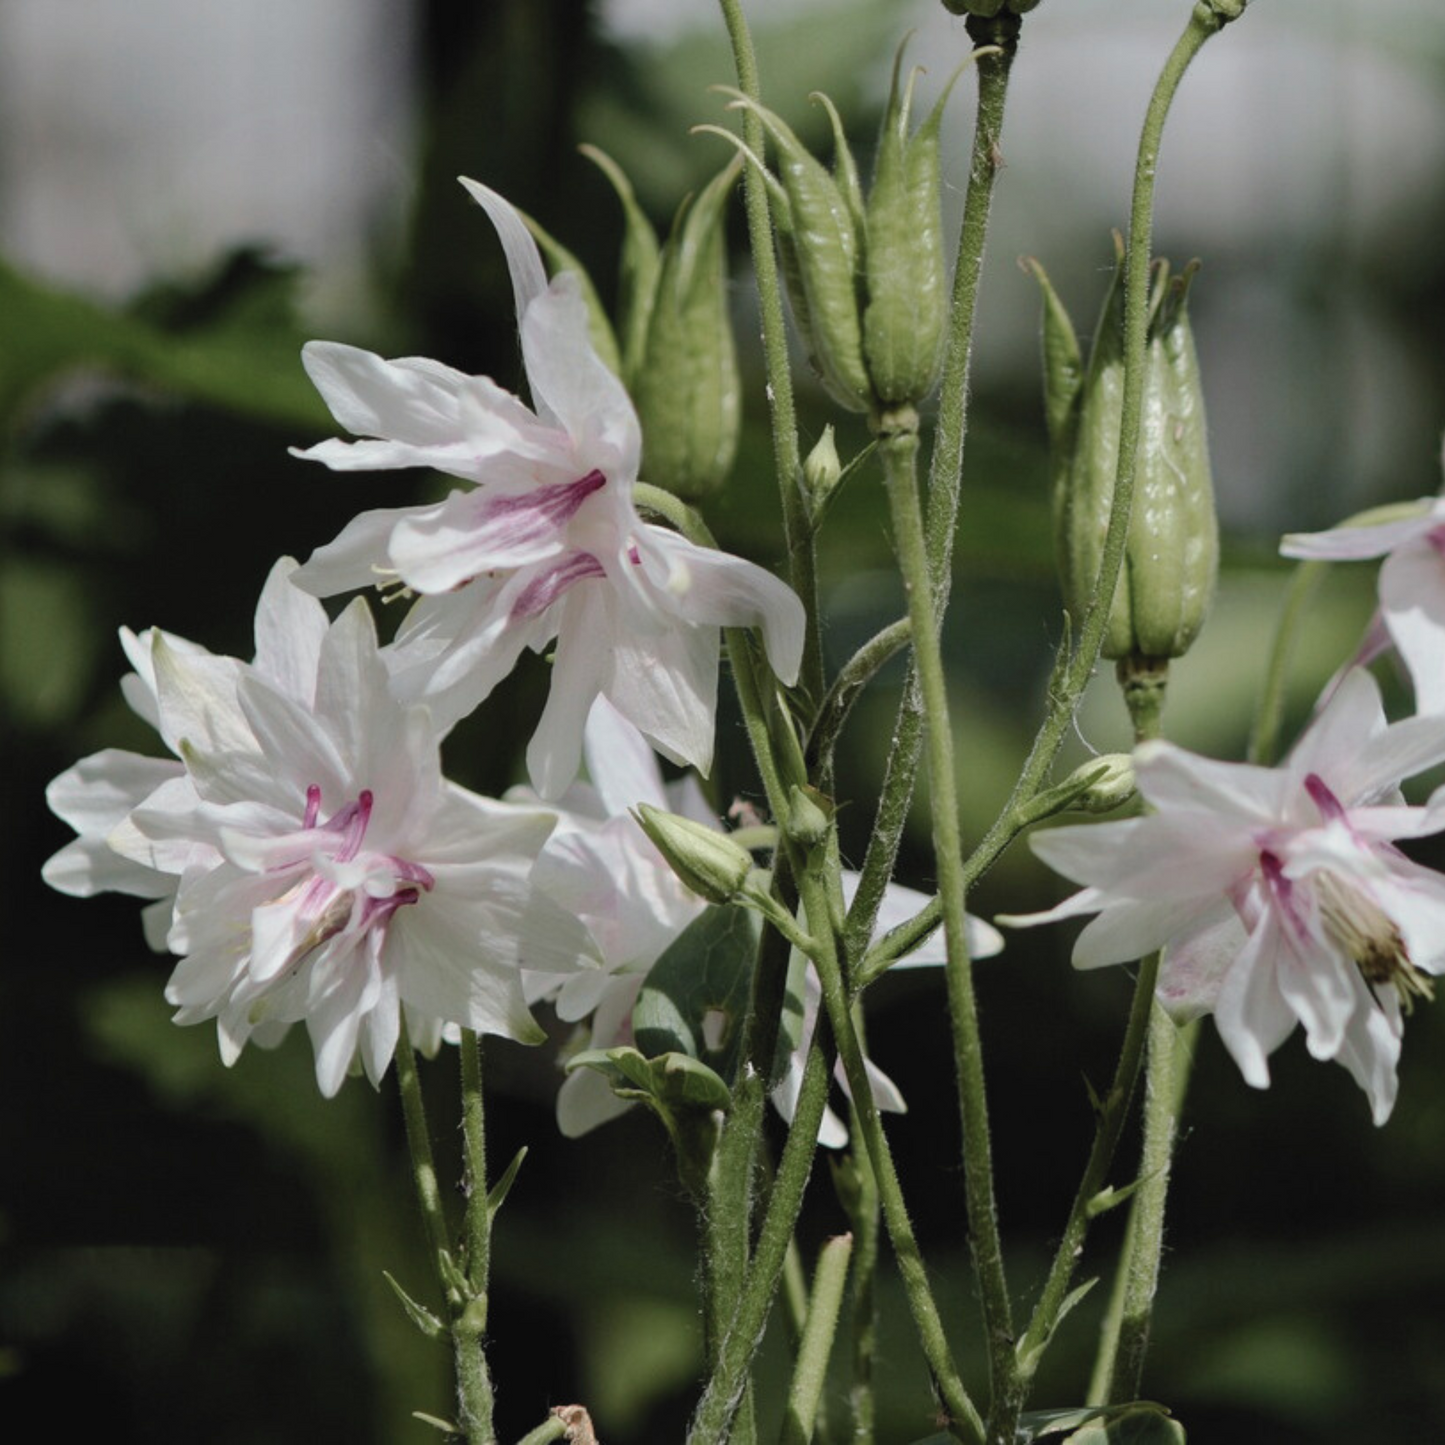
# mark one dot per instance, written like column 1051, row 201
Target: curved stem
column 946, row 467
column 797, row 530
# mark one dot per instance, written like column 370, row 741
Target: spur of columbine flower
column 547, row 545
column 1412, row 587
column 600, row 865
column 327, row 872
column 1277, row 893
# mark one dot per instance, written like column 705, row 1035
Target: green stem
column 1167, row 1074
column 1264, row 736
column 473, row 1388
column 1113, row 1108
column 899, row 452
column 864, row 1216
column 946, row 467
column 545, row 1433
column 846, row 688
column 797, row 529
column 474, row 1383
column 963, row 1414
column 811, row 1369
column 726, row 1387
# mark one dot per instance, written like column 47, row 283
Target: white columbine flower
column 546, row 545
column 1412, row 588
column 327, row 872
column 600, row 865
column 1277, row 892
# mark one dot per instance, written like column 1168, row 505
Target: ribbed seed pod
column 687, row 389
column 1166, row 583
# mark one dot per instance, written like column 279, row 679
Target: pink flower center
column 362, row 888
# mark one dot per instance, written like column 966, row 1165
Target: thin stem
column 864, row 1216
column 811, row 1368
column 474, row 1383
column 1264, row 736
column 729, row 1379
column 847, row 686
column 946, row 468
column 1167, row 1074
column 545, row 1433
column 797, row 529
column 964, row 1415
column 1113, row 1109
column 424, row 1174
column 899, row 452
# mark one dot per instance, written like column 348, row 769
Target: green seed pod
column 1166, row 583
column 641, row 259
column 687, row 389
column 907, row 278
column 824, row 265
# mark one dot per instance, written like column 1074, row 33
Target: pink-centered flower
column 325, row 871
column 1412, row 588
column 601, row 866
column 547, row 545
column 1277, row 893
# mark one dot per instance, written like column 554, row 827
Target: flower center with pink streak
column 367, row 887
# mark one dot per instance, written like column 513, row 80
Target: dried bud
column 707, row 861
column 1167, row 582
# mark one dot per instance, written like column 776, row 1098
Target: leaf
column 695, row 997
column 419, row 1315
column 499, row 1191
column 1139, row 1423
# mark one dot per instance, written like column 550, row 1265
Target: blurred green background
column 186, row 194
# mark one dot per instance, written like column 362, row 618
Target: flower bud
column 810, row 814
column 823, row 469
column 707, row 861
column 1166, row 584
column 1110, row 783
column 687, row 389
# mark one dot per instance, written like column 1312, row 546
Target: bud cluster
column 866, row 276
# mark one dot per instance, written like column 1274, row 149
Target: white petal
column 359, row 556
column 1412, row 597
column 412, row 400
column 1193, row 969
column 524, row 260
column 289, row 627
column 1344, row 729
column 1371, row 1050
column 1342, row 544
column 667, row 686
column 1173, row 779
column 585, row 642
column 1250, row 1012
column 718, row 589
column 572, row 383
column 196, row 693
column 620, row 762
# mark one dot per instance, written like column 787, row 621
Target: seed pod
column 641, row 258
column 907, row 279
column 687, row 389
column 824, row 263
column 1166, row 582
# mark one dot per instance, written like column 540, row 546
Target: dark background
column 188, row 1253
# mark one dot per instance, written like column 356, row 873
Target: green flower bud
column 707, row 861
column 823, row 468
column 810, row 814
column 1110, row 783
column 687, row 389
column 1166, row 584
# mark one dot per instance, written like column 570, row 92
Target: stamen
column 1368, row 935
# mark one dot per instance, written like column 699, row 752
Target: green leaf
column 419, row 1315
column 696, row 994
column 1138, row 1423
column 499, row 1191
